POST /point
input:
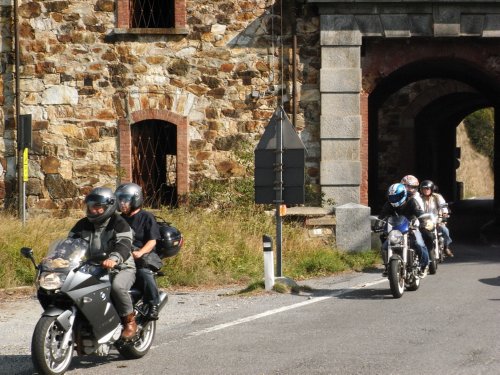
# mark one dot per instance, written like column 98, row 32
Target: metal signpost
column 23, row 144
column 279, row 171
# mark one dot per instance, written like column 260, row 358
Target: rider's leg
column 421, row 249
column 150, row 291
column 447, row 239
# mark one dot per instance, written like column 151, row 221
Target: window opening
column 151, row 13
column 154, row 161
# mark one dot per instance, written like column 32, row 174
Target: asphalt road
column 348, row 324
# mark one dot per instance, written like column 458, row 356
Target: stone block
column 370, row 24
column 395, row 25
column 339, row 30
column 421, row 25
column 343, row 104
column 338, row 195
column 446, row 30
column 341, row 149
column 340, row 80
column 340, row 172
column 340, row 127
column 472, row 24
column 338, row 57
column 492, row 25
column 353, row 231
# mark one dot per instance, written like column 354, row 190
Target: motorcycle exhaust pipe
column 163, row 300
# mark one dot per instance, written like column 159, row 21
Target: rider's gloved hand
column 109, row 264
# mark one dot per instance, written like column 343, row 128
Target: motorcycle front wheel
column 414, row 283
column 433, row 263
column 47, row 353
column 139, row 348
column 396, row 278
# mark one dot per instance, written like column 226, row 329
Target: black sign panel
column 293, row 163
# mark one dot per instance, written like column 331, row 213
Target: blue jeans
column 420, row 248
column 147, row 284
column 446, row 234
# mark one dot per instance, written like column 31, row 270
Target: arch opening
column 413, row 116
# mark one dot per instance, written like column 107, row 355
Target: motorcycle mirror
column 27, row 252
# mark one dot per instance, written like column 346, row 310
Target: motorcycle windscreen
column 400, row 223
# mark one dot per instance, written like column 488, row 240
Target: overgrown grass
column 221, row 247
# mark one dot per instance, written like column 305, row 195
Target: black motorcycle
column 78, row 315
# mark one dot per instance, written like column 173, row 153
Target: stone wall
column 79, row 79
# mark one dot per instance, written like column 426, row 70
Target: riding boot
column 129, row 327
column 153, row 312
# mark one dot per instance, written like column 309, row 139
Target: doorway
column 154, row 161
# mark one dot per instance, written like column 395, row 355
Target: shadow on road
column 22, row 365
column 495, row 281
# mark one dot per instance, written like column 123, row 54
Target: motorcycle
column 436, row 248
column 78, row 312
column 402, row 259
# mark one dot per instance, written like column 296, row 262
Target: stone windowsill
column 151, row 31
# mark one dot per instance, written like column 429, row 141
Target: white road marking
column 281, row 309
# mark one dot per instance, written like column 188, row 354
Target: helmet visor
column 395, row 198
column 95, row 200
column 124, row 197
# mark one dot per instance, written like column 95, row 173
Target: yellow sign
column 25, row 165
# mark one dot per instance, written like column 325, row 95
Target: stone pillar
column 353, row 230
column 340, row 124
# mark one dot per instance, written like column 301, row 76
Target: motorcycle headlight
column 395, row 238
column 51, row 280
column 429, row 225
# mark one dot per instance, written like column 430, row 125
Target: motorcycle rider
column 108, row 233
column 398, row 203
column 435, row 203
column 146, row 232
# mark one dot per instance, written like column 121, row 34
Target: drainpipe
column 20, row 170
column 294, row 63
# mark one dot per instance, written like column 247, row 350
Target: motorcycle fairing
column 92, row 296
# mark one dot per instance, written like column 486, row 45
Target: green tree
column 480, row 129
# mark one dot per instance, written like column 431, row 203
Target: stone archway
column 362, row 44
column 182, row 144
column 443, row 92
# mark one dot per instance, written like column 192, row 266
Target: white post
column 267, row 243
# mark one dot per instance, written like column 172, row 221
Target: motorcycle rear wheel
column 46, row 353
column 396, row 278
column 139, row 348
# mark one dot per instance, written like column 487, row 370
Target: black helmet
column 104, row 197
column 132, row 193
column 427, row 184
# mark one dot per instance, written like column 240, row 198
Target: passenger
column 107, row 233
column 146, row 232
column 411, row 184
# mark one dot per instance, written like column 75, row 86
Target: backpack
column 170, row 241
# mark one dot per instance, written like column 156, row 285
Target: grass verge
column 221, row 247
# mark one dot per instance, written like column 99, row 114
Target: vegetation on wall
column 480, row 129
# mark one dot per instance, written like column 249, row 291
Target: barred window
column 151, row 14
column 143, row 15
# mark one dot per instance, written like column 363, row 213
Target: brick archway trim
column 125, row 144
